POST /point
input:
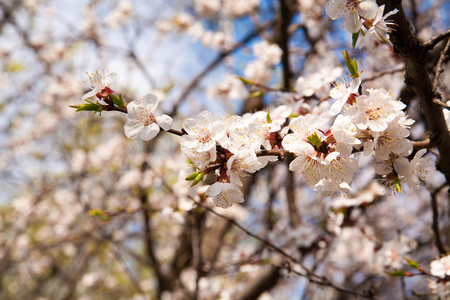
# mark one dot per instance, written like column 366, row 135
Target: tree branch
column 435, row 225
column 322, row 280
column 436, row 40
column 414, row 53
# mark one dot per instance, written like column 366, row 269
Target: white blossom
column 225, row 194
column 440, row 267
column 352, row 10
column 239, row 8
column 341, row 92
column 270, row 54
column 418, row 168
column 142, row 120
column 203, row 132
column 242, row 161
column 376, row 110
column 99, row 83
column 377, row 29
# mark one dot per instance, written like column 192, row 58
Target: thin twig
column 436, row 39
column 439, row 68
column 382, row 73
column 421, row 144
column 435, row 225
column 322, row 280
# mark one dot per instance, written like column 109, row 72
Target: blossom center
column 374, row 113
column 352, row 4
column 147, row 117
column 203, row 135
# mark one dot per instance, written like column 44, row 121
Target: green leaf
column 268, row 119
column 352, row 66
column 413, row 263
column 256, row 94
column 397, row 273
column 398, row 185
column 247, row 81
column 104, row 216
column 192, row 176
column 96, row 212
column 90, row 106
column 355, row 37
column 314, row 139
column 117, row 100
column 198, row 179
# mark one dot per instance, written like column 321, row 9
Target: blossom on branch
column 202, row 132
column 99, row 83
column 142, row 121
column 353, row 10
column 377, row 29
column 224, row 194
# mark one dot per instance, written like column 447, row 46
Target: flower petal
column 164, row 121
column 149, row 132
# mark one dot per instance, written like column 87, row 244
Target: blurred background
column 86, row 213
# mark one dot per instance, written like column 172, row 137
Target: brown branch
column 421, row 144
column 439, row 68
column 322, row 280
column 436, row 40
column 287, row 267
column 163, row 281
column 282, row 39
column 260, row 284
column 414, row 53
column 435, row 224
column 188, row 89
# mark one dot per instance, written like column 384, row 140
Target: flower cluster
column 228, row 146
column 363, row 17
column 324, row 141
column 377, row 125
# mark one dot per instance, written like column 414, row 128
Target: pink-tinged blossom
column 334, row 222
column 202, row 132
column 99, row 83
column 261, row 133
column 377, row 29
column 207, row 8
column 339, row 169
column 224, row 194
column 393, row 253
column 142, row 120
column 258, row 71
